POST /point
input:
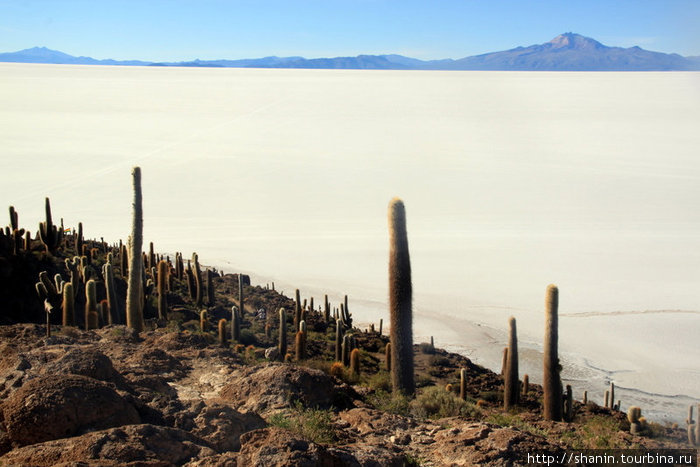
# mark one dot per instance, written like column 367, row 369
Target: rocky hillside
column 194, row 390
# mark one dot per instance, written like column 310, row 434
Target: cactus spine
column 551, row 383
column 510, row 393
column 134, row 312
column 91, row 316
column 400, row 301
column 68, row 305
column 282, row 341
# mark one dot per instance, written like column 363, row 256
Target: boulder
column 59, row 406
column 133, row 445
column 271, row 387
column 276, row 446
column 221, row 426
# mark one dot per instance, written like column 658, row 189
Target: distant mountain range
column 566, row 52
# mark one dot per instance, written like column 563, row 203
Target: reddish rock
column 278, row 447
column 221, row 426
column 59, row 406
column 270, row 387
column 133, row 445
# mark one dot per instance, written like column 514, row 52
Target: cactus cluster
column 50, row 235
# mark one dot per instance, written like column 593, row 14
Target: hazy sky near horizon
column 172, row 30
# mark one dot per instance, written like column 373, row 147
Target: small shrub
column 423, row 381
column 491, row 396
column 380, row 381
column 387, row 402
column 439, row 360
column 426, row 348
column 508, row 419
column 248, row 338
column 435, row 402
column 597, row 432
column 313, row 424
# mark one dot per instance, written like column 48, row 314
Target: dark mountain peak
column 571, row 40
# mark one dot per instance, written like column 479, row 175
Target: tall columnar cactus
column 355, row 362
column 299, row 345
column 14, row 219
column 49, row 234
column 326, row 309
column 338, row 341
column 123, row 260
column 91, row 315
column 203, row 321
column 504, row 361
column 235, row 324
column 569, row 404
column 223, row 341
column 162, row 290
column 585, row 398
column 297, row 310
column 526, row 384
column 510, row 393
column 387, row 356
column 612, row 396
column 346, row 349
column 282, row 341
column 381, row 325
column 697, row 428
column 241, row 296
column 68, row 306
column 151, row 256
column 178, row 266
column 79, row 241
column 108, row 274
column 197, row 272
column 134, row 310
column 463, row 384
column 400, row 301
column 211, row 299
column 551, row 383
column 606, row 398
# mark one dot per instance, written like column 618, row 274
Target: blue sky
column 211, row 29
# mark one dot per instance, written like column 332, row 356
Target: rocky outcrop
column 271, row 387
column 57, row 406
column 133, row 445
column 221, row 426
